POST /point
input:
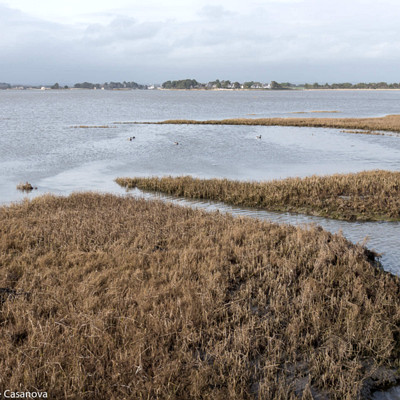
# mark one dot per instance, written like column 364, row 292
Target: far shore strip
column 389, row 123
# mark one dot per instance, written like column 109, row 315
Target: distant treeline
column 83, row 85
column 226, row 84
column 188, row 84
column 5, row 85
column 347, row 85
column 217, row 84
column 110, row 86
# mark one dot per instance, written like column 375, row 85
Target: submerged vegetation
column 369, row 195
column 387, row 123
column 136, row 299
column 364, row 132
column 92, row 126
column 316, row 112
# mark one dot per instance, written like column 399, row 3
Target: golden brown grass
column 369, row 195
column 387, row 123
column 130, row 299
column 25, row 187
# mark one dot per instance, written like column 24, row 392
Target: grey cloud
column 120, row 29
column 282, row 39
column 214, row 12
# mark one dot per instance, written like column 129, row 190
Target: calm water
column 38, row 144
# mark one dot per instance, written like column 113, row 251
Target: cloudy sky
column 68, row 41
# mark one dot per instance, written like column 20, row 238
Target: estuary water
column 42, row 141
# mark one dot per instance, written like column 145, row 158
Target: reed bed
column 387, row 123
column 132, row 299
column 363, row 196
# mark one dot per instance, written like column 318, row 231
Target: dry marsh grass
column 25, row 187
column 387, row 123
column 368, row 195
column 131, row 299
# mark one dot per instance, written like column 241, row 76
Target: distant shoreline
column 208, row 90
column 354, row 90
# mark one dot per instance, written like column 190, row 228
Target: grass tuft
column 25, row 187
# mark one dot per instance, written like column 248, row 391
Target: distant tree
column 287, row 84
column 360, row 85
column 275, row 85
column 225, row 84
column 248, row 85
column 382, row 85
column 84, row 85
column 181, row 84
column 55, row 86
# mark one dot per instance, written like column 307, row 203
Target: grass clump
column 387, row 123
column 25, row 187
column 145, row 300
column 368, row 195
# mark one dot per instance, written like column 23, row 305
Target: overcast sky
column 68, row 41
